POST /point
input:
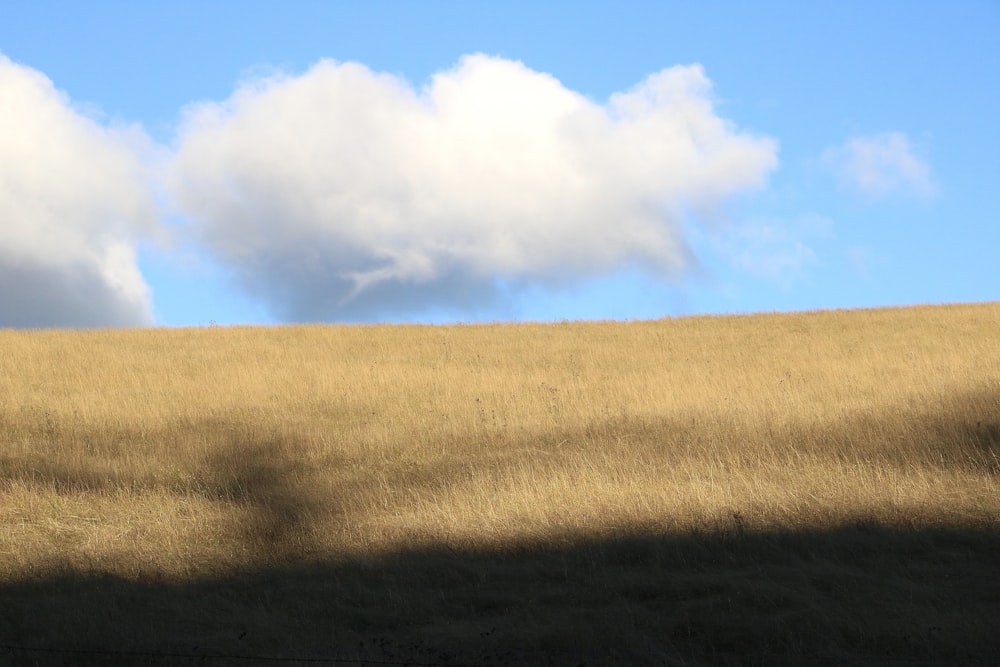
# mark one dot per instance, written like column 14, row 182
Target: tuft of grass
column 770, row 489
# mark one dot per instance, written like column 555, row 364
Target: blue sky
column 259, row 162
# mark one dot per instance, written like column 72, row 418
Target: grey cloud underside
column 75, row 295
column 323, row 298
column 319, row 296
column 322, row 279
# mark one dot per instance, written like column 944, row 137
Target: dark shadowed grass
column 862, row 594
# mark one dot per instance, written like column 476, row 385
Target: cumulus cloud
column 343, row 193
column 73, row 203
column 880, row 165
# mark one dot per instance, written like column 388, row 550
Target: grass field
column 815, row 488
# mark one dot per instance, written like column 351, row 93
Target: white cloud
column 343, row 193
column 880, row 165
column 73, row 202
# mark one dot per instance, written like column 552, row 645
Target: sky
column 249, row 162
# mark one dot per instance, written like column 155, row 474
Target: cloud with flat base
column 75, row 199
column 342, row 193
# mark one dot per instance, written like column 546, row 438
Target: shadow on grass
column 862, row 595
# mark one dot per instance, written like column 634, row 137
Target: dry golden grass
column 201, row 455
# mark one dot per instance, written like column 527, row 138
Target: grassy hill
column 808, row 488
